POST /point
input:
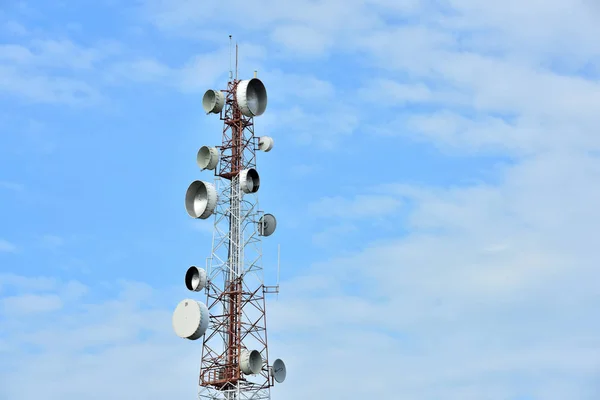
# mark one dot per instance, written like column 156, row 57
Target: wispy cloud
column 333, row 235
column 302, row 170
column 30, row 304
column 53, row 71
column 361, row 206
column 62, row 54
column 7, row 247
column 193, row 76
column 41, row 88
column 13, row 186
column 204, row 226
column 52, row 242
column 15, row 28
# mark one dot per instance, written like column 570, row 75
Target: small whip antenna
column 278, row 267
column 230, row 55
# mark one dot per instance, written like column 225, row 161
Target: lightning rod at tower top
column 232, row 323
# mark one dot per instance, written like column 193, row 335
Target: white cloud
column 55, row 54
column 286, row 87
column 98, row 340
column 441, row 295
column 144, row 70
column 27, row 283
column 323, row 129
column 301, row 40
column 333, row 235
column 388, row 93
column 46, row 89
column 42, row 71
column 14, row 28
column 30, row 304
column 196, row 75
column 319, row 24
column 361, row 206
column 418, row 305
column 558, row 27
column 53, row 71
column 307, row 109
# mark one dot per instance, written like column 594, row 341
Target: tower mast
column 232, row 323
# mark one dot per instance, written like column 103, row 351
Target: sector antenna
column 231, row 323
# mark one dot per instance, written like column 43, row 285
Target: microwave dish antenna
column 265, row 143
column 207, row 157
column 251, row 96
column 278, row 371
column 213, row 101
column 201, row 199
column 266, row 225
column 195, row 279
column 190, row 319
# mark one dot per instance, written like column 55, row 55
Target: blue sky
column 435, row 179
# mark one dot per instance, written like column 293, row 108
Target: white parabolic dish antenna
column 250, row 362
column 278, row 371
column 207, row 158
column 190, row 319
column 266, row 225
column 251, row 97
column 195, row 279
column 249, row 180
column 213, row 101
column 200, row 199
column 265, row 143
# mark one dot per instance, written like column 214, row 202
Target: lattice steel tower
column 235, row 360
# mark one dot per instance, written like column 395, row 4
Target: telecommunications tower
column 232, row 323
